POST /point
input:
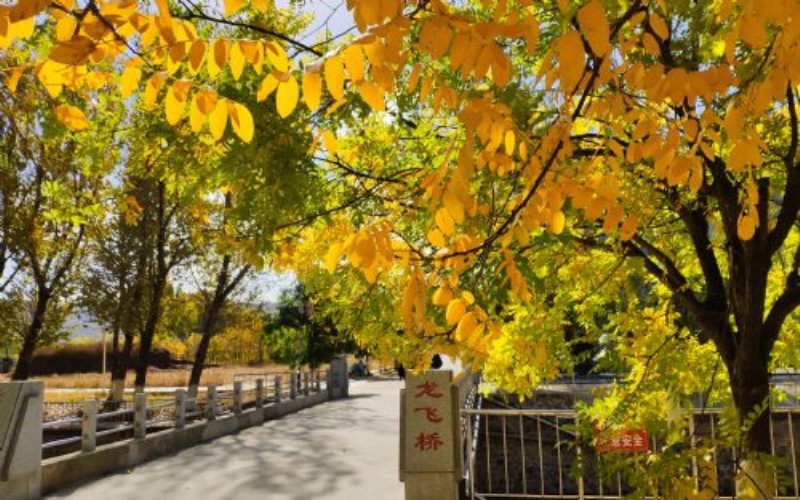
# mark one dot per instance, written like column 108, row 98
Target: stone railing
column 103, row 442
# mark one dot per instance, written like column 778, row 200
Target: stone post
column 292, row 384
column 237, row 397
column 278, row 389
column 180, row 409
column 259, row 393
column 21, row 409
column 139, row 415
column 430, row 448
column 338, row 379
column 211, row 403
column 89, row 426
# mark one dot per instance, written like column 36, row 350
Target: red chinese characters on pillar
column 431, row 414
column 430, row 389
column 429, row 423
column 428, row 441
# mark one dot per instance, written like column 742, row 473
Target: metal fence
column 94, row 424
column 535, row 453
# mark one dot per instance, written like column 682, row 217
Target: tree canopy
column 498, row 162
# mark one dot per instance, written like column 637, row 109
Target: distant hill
column 82, row 325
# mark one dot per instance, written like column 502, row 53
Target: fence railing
column 535, row 453
column 83, row 432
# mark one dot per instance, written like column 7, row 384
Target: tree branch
column 790, row 204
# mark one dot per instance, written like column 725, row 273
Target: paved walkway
column 342, row 450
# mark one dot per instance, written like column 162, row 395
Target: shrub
column 86, row 357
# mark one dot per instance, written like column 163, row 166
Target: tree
column 115, row 278
column 665, row 133
column 301, row 333
column 228, row 278
column 52, row 182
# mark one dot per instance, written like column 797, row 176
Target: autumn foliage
column 479, row 133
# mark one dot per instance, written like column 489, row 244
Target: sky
column 330, row 14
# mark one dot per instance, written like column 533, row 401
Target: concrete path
column 342, row 450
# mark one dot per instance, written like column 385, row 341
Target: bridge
column 343, row 449
column 317, row 437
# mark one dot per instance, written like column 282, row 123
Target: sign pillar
column 430, row 462
column 21, row 406
column 338, row 381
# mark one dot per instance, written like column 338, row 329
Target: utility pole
column 104, row 352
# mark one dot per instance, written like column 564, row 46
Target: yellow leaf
column 266, row 88
column 253, row 53
column 13, row 79
column 365, row 251
column 745, row 152
column 232, row 6
column 286, row 99
column 241, row 120
column 277, row 57
column 218, row 119
column 452, row 200
column 442, row 296
column 312, row 89
column 445, row 221
column 354, row 62
column 175, row 103
column 334, row 77
column 752, row 31
column 594, row 24
column 177, row 53
column 236, row 61
column 206, row 101
column 557, row 223
column 221, row 53
column 163, row 8
column 466, row 326
column 571, row 60
column 197, row 53
column 436, row 238
column 332, row 257
column 330, row 142
column 196, row 116
column 509, row 142
column 73, row 52
column 154, row 85
column 372, row 95
column 72, row 117
column 659, row 25
column 65, row 28
column 413, row 78
column 628, row 228
column 129, row 80
column 746, row 228
column 455, row 311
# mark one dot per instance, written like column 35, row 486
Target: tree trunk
column 209, row 325
column 119, row 371
column 146, row 341
column 159, row 282
column 22, row 370
column 199, row 361
column 749, row 375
